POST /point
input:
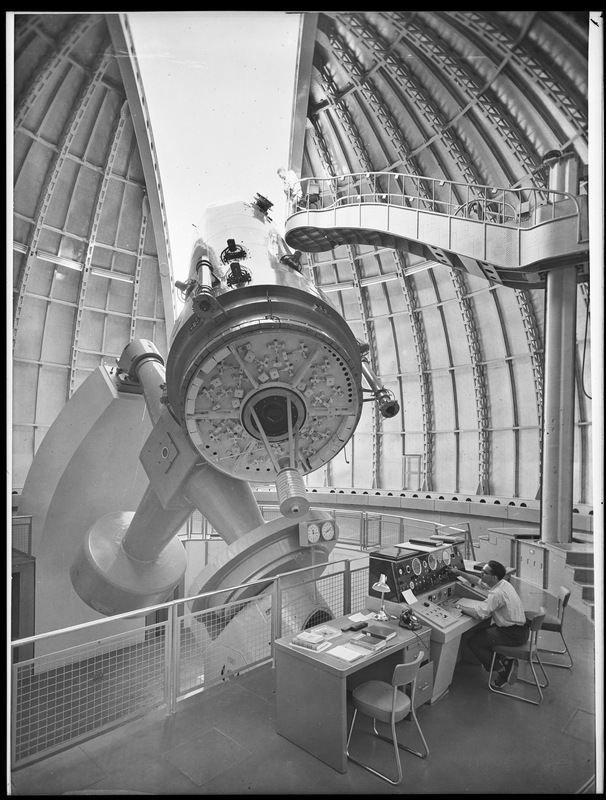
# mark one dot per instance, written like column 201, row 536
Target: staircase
column 581, row 564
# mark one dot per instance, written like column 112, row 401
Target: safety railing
column 524, row 207
column 364, row 530
column 68, row 694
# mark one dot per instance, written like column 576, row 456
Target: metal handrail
column 27, row 741
column 340, row 577
column 167, row 605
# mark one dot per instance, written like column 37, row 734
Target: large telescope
column 262, row 384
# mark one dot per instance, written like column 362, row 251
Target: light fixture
column 382, row 587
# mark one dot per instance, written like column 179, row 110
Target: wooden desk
column 311, row 688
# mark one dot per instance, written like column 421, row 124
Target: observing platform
column 507, row 236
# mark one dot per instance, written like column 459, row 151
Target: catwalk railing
column 523, row 207
column 365, row 530
column 172, row 650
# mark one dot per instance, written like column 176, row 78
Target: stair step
column 588, row 593
column 591, row 607
column 583, row 575
column 579, row 559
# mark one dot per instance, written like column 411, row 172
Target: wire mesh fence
column 62, row 697
column 223, row 641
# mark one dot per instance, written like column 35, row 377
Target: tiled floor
column 223, row 741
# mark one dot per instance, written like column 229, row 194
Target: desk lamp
column 382, row 587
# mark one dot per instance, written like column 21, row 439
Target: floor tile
column 71, row 769
column 581, row 726
column 207, row 756
column 223, row 741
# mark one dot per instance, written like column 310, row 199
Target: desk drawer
column 413, row 649
column 424, row 688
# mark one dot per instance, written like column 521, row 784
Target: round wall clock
column 328, row 531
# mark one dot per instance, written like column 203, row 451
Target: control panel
column 420, row 565
column 451, row 605
column 433, row 613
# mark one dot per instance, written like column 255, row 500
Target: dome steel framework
column 476, row 97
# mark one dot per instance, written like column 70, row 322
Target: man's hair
column 497, row 569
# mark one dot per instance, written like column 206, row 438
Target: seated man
column 508, row 626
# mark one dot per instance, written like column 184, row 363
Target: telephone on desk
column 409, row 620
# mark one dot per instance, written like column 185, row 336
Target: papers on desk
column 310, row 640
column 467, row 602
column 326, row 632
column 347, row 653
column 360, row 617
column 409, row 597
column 316, row 649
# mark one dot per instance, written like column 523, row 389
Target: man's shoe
column 511, row 671
column 500, row 679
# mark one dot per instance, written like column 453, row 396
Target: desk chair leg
column 394, row 742
column 365, row 766
column 564, row 652
column 536, row 681
column 519, row 696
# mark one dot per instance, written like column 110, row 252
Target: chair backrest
column 563, row 598
column 406, row 673
column 537, row 621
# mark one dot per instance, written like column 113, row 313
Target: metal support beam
column 558, row 416
column 307, row 38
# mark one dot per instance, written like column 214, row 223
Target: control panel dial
column 415, row 570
